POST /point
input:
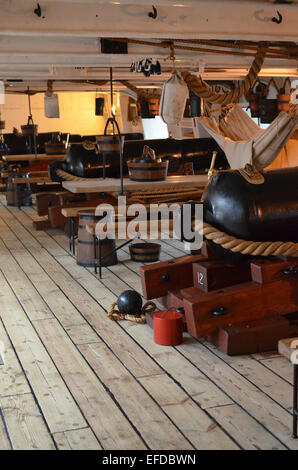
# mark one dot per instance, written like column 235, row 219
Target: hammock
column 244, row 142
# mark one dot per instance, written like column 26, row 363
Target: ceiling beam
column 211, row 20
column 189, row 3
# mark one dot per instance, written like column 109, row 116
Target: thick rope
column 237, row 245
column 114, row 314
column 200, row 88
column 69, row 177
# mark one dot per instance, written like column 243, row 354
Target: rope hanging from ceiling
column 199, row 87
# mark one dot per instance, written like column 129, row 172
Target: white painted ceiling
column 63, row 43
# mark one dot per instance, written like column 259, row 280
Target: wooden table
column 112, row 185
column 31, row 157
column 33, row 179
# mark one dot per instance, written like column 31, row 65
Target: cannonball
column 130, row 302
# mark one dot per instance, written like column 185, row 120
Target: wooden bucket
column 145, row 252
column 283, row 101
column 29, row 129
column 148, row 171
column 168, row 327
column 85, row 243
column 154, row 106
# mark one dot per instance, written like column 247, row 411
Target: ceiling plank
column 210, row 20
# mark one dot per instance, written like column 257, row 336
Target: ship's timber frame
column 63, row 43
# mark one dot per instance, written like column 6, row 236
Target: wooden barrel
column 18, row 196
column 154, row 106
column 29, row 129
column 144, row 252
column 283, row 102
column 85, row 244
column 148, row 171
column 11, row 194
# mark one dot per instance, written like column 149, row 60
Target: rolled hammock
column 244, row 142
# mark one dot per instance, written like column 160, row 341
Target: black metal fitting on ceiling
column 146, row 66
column 279, row 19
column 154, row 13
column 37, row 10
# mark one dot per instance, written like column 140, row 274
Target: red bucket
column 168, row 327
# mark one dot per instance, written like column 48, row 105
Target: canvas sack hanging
column 173, row 99
column 2, row 92
column 51, row 105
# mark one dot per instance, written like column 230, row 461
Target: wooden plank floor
column 73, row 379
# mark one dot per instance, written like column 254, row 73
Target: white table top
column 113, row 184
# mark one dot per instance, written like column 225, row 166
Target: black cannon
column 256, row 212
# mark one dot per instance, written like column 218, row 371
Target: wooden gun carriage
column 241, row 309
column 240, row 302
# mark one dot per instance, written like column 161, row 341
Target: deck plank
column 4, row 440
column 251, row 436
column 12, row 378
column 197, row 425
column 80, row 439
column 207, row 399
column 26, row 427
column 265, row 410
column 280, row 366
column 94, row 400
column 147, row 416
column 58, row 406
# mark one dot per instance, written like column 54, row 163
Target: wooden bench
column 289, row 349
column 33, row 179
column 33, row 174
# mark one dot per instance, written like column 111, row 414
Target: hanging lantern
column 99, row 106
column 173, row 99
column 30, row 128
column 2, row 92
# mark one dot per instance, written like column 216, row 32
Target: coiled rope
column 114, row 314
column 201, row 89
column 237, row 245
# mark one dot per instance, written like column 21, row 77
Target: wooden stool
column 289, row 348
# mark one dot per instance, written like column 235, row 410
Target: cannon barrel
column 257, row 212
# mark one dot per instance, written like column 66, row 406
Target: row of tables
column 113, row 184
